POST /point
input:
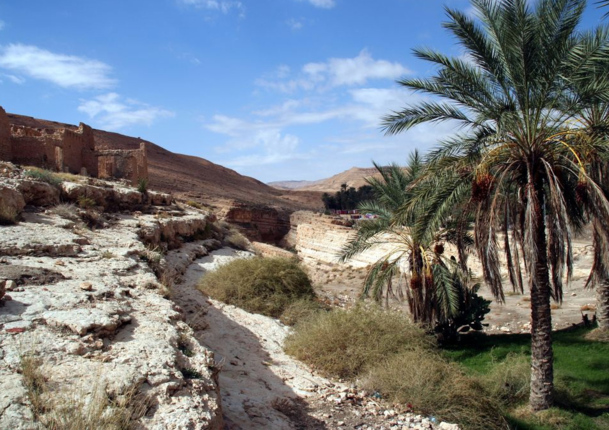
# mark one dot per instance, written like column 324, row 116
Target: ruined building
column 66, row 148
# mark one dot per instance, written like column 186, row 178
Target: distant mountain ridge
column 354, row 177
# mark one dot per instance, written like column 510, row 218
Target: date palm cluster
column 526, row 171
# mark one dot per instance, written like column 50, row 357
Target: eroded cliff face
column 263, row 224
column 84, row 320
column 320, row 238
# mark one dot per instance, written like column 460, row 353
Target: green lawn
column 581, row 375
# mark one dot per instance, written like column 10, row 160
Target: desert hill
column 354, row 177
column 190, row 177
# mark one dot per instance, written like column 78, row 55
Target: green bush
column 261, row 285
column 431, row 385
column 142, row 185
column 344, row 343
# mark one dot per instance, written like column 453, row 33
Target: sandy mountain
column 354, row 177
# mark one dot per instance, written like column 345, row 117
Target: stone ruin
column 69, row 150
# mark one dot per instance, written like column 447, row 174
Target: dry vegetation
column 346, row 343
column 76, row 409
column 261, row 285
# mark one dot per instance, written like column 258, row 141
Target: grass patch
column 190, row 373
column 580, row 377
column 69, row 177
column 43, row 175
column 432, row 385
column 261, row 285
column 345, row 343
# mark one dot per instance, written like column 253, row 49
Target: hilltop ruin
column 66, row 148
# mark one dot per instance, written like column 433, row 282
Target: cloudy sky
column 275, row 89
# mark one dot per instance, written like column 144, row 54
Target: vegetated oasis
column 526, row 172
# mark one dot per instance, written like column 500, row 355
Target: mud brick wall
column 120, row 163
column 5, row 137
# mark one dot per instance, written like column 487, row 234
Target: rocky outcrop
column 113, row 197
column 263, row 224
column 37, row 193
column 319, row 238
column 87, row 305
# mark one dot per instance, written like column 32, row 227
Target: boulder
column 39, row 193
column 11, row 204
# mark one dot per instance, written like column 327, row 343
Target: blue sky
column 275, row 89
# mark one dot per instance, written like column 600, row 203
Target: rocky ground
column 103, row 297
column 99, row 307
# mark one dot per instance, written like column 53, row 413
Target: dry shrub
column 433, row 386
column 261, row 285
column 97, row 410
column 79, row 409
column 194, row 204
column 67, row 211
column 237, row 240
column 301, row 310
column 344, row 343
column 86, row 202
column 598, row 334
column 34, row 381
column 509, row 381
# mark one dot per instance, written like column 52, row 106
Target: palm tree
column 507, row 92
column 437, row 289
column 604, row 3
column 592, row 115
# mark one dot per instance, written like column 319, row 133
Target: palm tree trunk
column 542, row 371
column 602, row 305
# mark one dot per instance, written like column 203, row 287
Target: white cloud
column 335, row 72
column 67, row 71
column 273, row 148
column 295, row 24
column 14, row 79
column 111, row 112
column 355, row 71
column 224, row 6
column 324, row 4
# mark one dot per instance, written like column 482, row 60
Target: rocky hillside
column 192, row 177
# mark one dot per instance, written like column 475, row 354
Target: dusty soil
column 342, row 286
